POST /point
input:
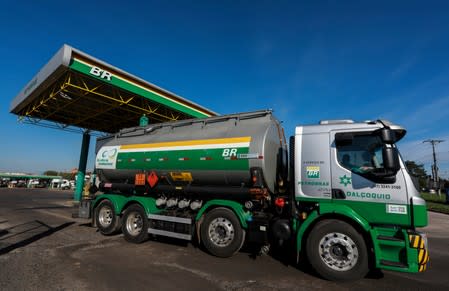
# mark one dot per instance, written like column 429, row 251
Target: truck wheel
column 221, row 233
column 107, row 222
column 135, row 224
column 337, row 251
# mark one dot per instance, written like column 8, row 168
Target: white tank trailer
column 208, row 158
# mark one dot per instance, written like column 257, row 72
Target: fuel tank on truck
column 216, row 151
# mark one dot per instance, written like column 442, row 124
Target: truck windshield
column 361, row 153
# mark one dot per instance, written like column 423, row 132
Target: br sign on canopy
column 96, row 71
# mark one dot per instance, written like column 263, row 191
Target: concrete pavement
column 43, row 247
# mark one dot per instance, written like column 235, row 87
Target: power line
column 435, row 177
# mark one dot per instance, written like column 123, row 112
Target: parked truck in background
column 338, row 195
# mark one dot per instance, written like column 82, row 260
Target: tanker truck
column 338, row 195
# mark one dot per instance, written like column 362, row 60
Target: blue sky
column 307, row 60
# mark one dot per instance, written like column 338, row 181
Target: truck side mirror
column 391, row 166
column 391, row 159
column 387, row 136
column 391, row 136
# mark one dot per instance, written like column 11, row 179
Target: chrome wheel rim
column 105, row 216
column 134, row 223
column 221, row 232
column 338, row 251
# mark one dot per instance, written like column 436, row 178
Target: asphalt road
column 43, row 247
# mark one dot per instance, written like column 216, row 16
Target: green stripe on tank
column 168, row 160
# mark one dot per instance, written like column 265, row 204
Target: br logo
column 313, row 172
column 229, row 152
column 96, row 71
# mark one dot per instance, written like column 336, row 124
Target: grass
column 436, row 203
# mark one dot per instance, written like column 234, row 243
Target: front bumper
column 400, row 250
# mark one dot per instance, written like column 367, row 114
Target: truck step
column 170, row 226
column 393, row 264
column 389, row 238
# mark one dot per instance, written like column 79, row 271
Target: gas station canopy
column 77, row 92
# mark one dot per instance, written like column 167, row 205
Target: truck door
column 354, row 155
column 312, row 166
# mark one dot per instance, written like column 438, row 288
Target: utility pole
column 435, row 177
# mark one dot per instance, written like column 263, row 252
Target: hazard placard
column 140, row 179
column 181, row 176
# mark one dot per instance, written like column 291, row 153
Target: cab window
column 359, row 153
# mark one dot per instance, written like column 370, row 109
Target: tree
column 65, row 175
column 50, row 173
column 418, row 171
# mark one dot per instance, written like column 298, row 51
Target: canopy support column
column 82, row 166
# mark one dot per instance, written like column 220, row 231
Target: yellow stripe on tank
column 233, row 140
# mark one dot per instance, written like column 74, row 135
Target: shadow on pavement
column 3, row 232
column 26, row 233
column 283, row 254
column 43, row 207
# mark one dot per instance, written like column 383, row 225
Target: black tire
column 135, row 224
column 337, row 251
column 106, row 219
column 221, row 233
